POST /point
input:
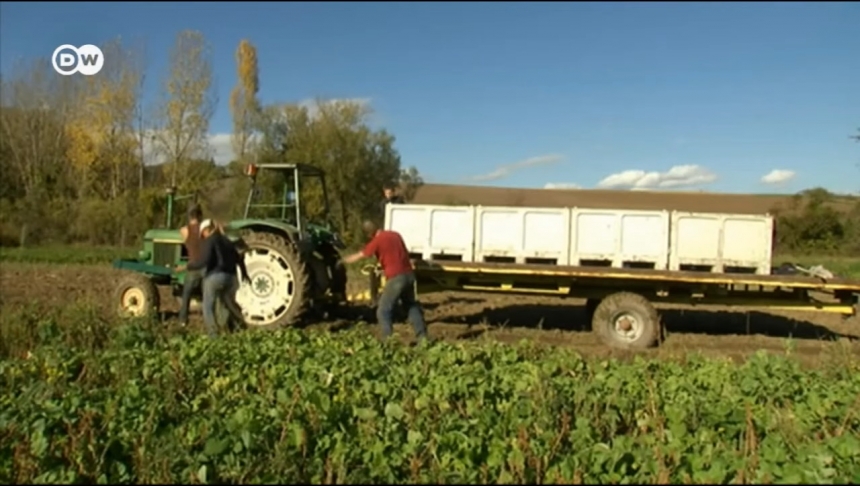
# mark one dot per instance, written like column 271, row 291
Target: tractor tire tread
column 302, row 291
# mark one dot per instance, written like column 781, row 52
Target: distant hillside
column 595, row 198
column 218, row 199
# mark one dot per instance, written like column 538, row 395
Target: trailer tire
column 627, row 321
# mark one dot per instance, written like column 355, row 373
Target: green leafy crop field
column 97, row 401
column 87, row 398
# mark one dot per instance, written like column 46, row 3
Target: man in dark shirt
column 389, row 192
column 219, row 260
column 193, row 244
column 390, row 250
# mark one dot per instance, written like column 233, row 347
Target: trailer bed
column 640, row 274
column 785, row 292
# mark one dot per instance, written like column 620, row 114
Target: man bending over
column 219, row 258
column 390, row 251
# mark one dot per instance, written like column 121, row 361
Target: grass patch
column 66, row 254
column 846, row 267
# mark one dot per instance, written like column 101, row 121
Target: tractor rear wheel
column 136, row 296
column 279, row 293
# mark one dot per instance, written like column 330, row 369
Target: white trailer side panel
column 721, row 242
column 661, row 240
column 525, row 235
column 622, row 238
column 434, row 232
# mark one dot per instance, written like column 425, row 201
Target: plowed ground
column 814, row 337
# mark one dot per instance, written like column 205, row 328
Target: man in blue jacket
column 219, row 260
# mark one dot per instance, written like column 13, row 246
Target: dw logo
column 87, row 60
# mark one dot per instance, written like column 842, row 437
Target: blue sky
column 682, row 96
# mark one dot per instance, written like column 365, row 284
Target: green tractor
column 292, row 263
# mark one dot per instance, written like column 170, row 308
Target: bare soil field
column 814, row 338
column 594, row 198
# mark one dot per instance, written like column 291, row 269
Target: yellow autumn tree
column 81, row 152
column 244, row 106
column 101, row 135
column 186, row 110
column 101, row 148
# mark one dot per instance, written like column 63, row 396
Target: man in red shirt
column 390, row 251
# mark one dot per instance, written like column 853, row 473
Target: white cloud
column 219, row 148
column 313, row 105
column 778, row 176
column 561, row 185
column 505, row 170
column 677, row 176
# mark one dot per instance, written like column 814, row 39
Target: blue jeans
column 219, row 287
column 400, row 288
column 192, row 282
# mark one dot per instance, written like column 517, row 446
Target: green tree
column 36, row 105
column 811, row 225
column 336, row 137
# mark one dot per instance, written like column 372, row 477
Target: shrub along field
column 83, row 254
column 64, row 254
column 89, row 400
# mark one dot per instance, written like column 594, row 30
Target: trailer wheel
column 627, row 321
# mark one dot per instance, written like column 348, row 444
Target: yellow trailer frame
column 612, row 293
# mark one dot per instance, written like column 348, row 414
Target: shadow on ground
column 575, row 318
column 348, row 316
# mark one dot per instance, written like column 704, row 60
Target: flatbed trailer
column 620, row 301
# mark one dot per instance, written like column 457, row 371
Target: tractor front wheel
column 136, row 296
column 279, row 292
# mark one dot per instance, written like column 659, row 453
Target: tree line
column 813, row 223
column 86, row 160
